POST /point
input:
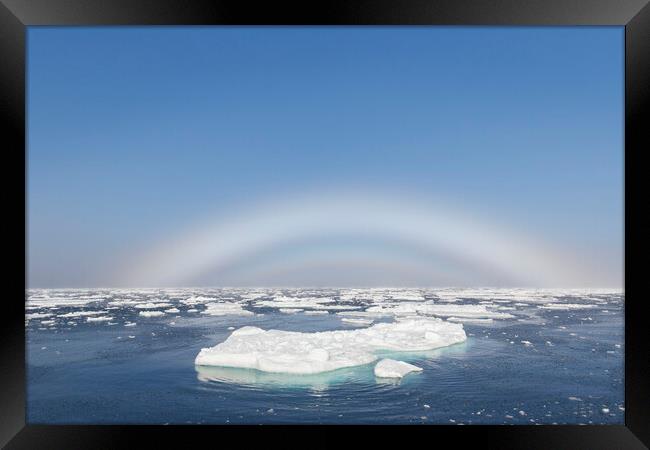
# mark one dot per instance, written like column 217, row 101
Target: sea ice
column 226, row 309
column 389, row 368
column 290, row 310
column 151, row 313
column 82, row 313
column 99, row 319
column 445, row 310
column 567, row 306
column 152, row 305
column 38, row 315
column 307, row 353
column 470, row 320
column 357, row 321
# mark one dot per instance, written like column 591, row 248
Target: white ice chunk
column 567, row 306
column 82, row 313
column 151, row 313
column 293, row 352
column 197, row 300
column 151, row 305
column 357, row 320
column 99, row 319
column 389, row 368
column 470, row 320
column 444, row 310
column 226, row 309
column 38, row 315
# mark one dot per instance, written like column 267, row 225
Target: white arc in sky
column 217, row 244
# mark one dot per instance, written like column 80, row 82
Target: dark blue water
column 106, row 373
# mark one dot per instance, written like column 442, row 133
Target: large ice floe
column 308, row 353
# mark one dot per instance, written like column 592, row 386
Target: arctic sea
column 120, row 356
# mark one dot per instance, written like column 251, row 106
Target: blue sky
column 137, row 134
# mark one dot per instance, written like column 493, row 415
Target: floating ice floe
column 446, row 310
column 99, row 319
column 293, row 302
column 567, row 306
column 151, row 313
column 172, row 310
column 38, row 316
column 389, row 368
column 307, row 353
column 226, row 309
column 198, row 300
column 82, row 314
column 470, row 320
column 151, row 305
column 290, row 310
column 72, row 300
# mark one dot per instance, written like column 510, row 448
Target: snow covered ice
column 308, row 353
column 389, row 368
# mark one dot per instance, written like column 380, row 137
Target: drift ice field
column 437, row 356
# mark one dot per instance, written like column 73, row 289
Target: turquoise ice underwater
column 129, row 356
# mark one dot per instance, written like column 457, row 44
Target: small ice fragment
column 389, row 368
column 526, row 342
column 98, row 319
column 152, row 313
column 290, row 310
column 605, row 410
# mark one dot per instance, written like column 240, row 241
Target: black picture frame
column 16, row 15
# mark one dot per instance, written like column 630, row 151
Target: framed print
column 360, row 217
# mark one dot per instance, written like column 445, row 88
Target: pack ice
column 308, row 353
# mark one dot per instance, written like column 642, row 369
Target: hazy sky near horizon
column 415, row 156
